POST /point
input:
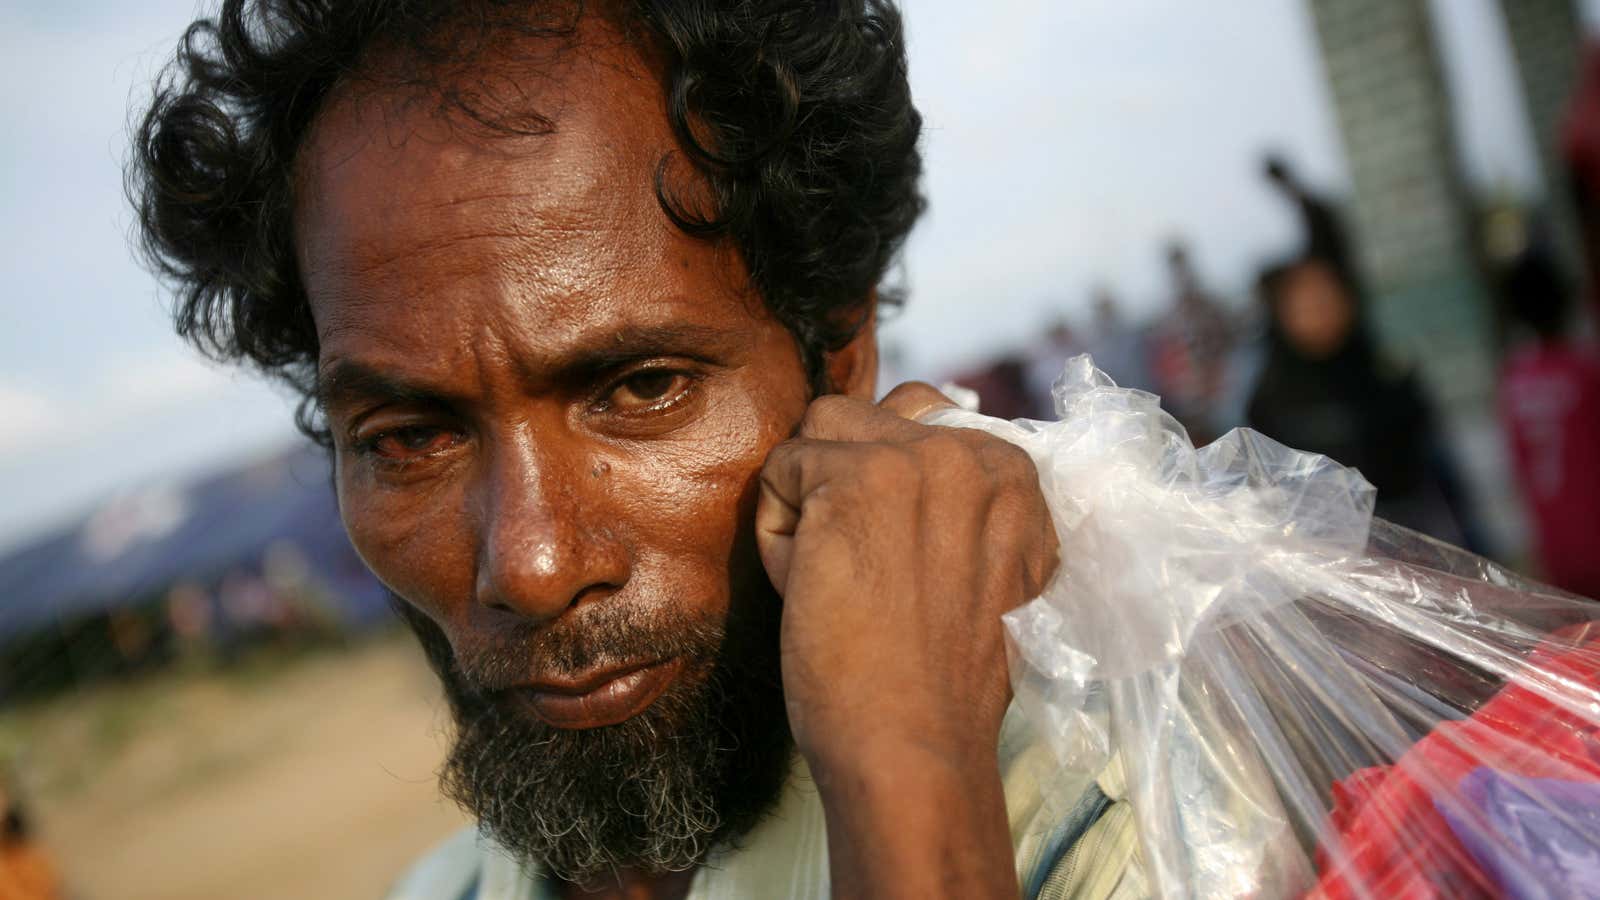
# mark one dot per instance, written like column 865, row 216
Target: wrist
column 884, row 759
column 910, row 820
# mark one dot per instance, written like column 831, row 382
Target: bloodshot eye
column 410, row 442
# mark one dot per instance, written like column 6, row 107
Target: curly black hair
column 797, row 112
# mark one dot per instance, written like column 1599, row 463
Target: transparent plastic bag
column 1300, row 699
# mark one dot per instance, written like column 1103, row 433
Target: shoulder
column 1396, row 368
column 1586, row 358
column 1402, row 388
column 449, row 871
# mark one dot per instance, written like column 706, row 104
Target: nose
column 544, row 546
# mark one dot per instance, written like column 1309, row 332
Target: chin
column 695, row 767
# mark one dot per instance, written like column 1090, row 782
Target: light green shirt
column 1072, row 834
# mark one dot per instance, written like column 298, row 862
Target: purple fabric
column 1538, row 837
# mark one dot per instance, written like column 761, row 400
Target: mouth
column 601, row 697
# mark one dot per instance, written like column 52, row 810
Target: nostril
column 594, row 593
column 536, row 566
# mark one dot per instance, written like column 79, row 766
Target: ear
column 853, row 368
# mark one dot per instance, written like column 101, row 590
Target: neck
column 631, row 884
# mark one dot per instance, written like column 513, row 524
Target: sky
column 1066, row 141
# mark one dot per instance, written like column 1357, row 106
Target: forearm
column 909, row 822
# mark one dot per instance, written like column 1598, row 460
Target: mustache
column 485, row 665
column 699, row 767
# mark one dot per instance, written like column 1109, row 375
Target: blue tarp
column 202, row 530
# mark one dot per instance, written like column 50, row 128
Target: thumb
column 778, row 512
column 914, row 399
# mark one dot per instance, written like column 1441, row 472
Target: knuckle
column 952, row 466
column 913, row 397
column 885, row 466
column 1015, row 464
column 948, row 446
column 962, row 459
column 825, row 413
column 781, row 454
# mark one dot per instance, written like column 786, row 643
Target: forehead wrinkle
column 544, row 75
column 549, row 264
column 435, row 173
column 562, row 230
column 460, row 196
column 542, row 248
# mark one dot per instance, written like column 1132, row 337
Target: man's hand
column 897, row 546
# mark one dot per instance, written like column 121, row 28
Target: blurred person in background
column 1118, row 347
column 1325, row 235
column 1550, row 409
column 1192, row 345
column 1580, row 145
column 26, row 872
column 1325, row 388
column 1045, row 362
column 1002, row 386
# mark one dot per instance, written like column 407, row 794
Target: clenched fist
column 897, row 547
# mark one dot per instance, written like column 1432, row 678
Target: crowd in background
column 1300, row 362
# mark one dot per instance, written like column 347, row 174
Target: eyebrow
column 346, row 381
column 631, row 343
column 349, row 380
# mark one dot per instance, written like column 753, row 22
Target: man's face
column 1316, row 312
column 550, row 407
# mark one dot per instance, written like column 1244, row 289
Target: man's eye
column 409, row 442
column 649, row 389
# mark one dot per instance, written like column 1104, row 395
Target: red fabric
column 1393, row 841
column 1550, row 408
column 1580, row 145
column 1580, row 132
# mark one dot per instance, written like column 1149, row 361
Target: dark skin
column 545, row 397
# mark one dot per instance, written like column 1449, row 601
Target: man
column 1194, row 343
column 1324, row 235
column 1549, row 406
column 1580, row 153
column 26, row 872
column 582, row 301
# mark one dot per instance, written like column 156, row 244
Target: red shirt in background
column 1580, row 130
column 1550, row 407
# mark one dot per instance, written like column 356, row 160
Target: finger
column 792, row 471
column 835, row 417
column 776, row 522
column 778, row 506
column 914, row 399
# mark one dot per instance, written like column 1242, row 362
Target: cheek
column 1344, row 318
column 1306, row 323
column 693, row 499
column 415, row 544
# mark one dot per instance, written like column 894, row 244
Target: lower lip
column 617, row 700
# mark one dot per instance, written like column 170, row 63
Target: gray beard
column 654, row 794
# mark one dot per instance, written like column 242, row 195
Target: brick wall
column 1545, row 37
column 1414, row 225
column 1412, row 220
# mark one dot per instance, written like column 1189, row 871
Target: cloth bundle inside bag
column 1303, row 700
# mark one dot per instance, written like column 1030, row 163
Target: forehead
column 1311, row 279
column 407, row 211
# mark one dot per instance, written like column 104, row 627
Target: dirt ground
column 295, row 779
